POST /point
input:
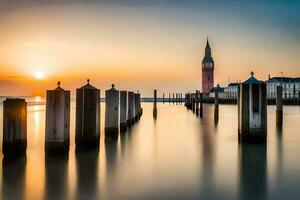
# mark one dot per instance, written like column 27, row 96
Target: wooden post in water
column 112, row 112
column 216, row 113
column 57, row 139
column 252, row 111
column 140, row 105
column 169, row 98
column 123, row 111
column 173, row 99
column 87, row 131
column 279, row 107
column 155, row 105
column 197, row 103
column 136, row 107
column 194, row 102
column 201, row 105
column 163, row 98
column 14, row 127
column 130, row 120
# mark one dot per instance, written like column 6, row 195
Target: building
column 290, row 86
column 230, row 92
column 218, row 89
column 207, row 70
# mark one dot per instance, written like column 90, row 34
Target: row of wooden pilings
column 252, row 110
column 122, row 109
column 176, row 98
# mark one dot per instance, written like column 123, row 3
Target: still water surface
column 178, row 156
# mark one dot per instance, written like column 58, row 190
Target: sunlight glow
column 38, row 75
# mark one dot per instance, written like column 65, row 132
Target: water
column 178, row 156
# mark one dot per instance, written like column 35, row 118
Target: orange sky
column 137, row 48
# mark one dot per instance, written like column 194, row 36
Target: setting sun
column 38, row 75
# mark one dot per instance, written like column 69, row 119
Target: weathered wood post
column 155, row 105
column 112, row 112
column 136, row 106
column 279, row 107
column 87, row 131
column 252, row 110
column 193, row 102
column 123, row 111
column 130, row 120
column 163, row 98
column 169, row 98
column 197, row 103
column 201, row 105
column 140, row 105
column 173, row 99
column 57, row 139
column 14, row 127
column 216, row 113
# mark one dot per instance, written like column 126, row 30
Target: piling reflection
column 87, row 174
column 111, row 148
column 253, row 171
column 56, row 172
column 13, row 178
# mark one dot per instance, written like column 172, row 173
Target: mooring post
column 197, row 103
column 87, row 130
column 216, row 113
column 155, row 104
column 279, row 107
column 123, row 111
column 201, row 105
column 112, row 112
column 140, row 105
column 252, row 110
column 136, row 107
column 57, row 139
column 130, row 115
column 163, row 98
column 14, row 127
column 194, row 102
column 173, row 100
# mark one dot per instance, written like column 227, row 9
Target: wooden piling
column 14, row 127
column 216, row 110
column 140, row 105
column 123, row 111
column 252, row 111
column 279, row 107
column 169, row 98
column 155, row 105
column 87, row 130
column 163, row 98
column 130, row 120
column 57, row 139
column 112, row 112
column 201, row 105
column 197, row 103
column 136, row 107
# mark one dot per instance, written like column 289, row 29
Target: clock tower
column 208, row 67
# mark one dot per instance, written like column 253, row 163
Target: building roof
column 283, row 80
column 251, row 80
column 208, row 59
column 233, row 84
column 207, row 48
column 88, row 85
column 217, row 89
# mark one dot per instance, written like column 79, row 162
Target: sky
column 143, row 45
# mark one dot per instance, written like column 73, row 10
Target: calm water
column 178, row 156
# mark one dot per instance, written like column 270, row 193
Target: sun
column 38, row 75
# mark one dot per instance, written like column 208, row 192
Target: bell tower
column 208, row 67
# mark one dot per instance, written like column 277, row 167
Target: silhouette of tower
column 208, row 67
